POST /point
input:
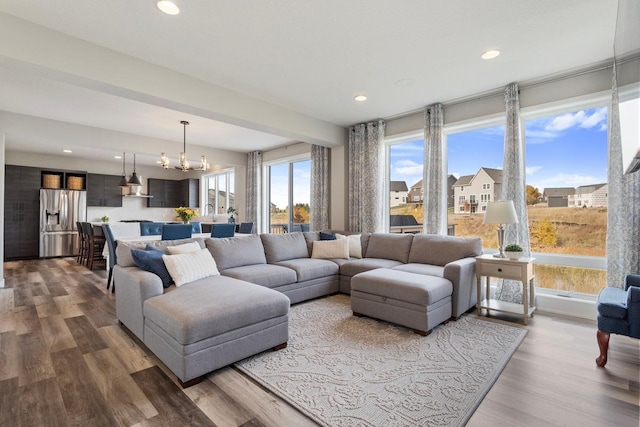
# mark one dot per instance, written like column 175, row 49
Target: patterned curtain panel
column 513, row 188
column 366, row 177
column 623, row 213
column 320, row 191
column 254, row 190
column 434, row 175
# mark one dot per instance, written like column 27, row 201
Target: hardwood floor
column 65, row 360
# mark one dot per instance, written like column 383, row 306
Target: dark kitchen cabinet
column 190, row 192
column 169, row 193
column 21, row 212
column 103, row 190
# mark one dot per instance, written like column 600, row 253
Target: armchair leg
column 603, row 343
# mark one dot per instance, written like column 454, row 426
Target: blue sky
column 566, row 150
column 301, row 183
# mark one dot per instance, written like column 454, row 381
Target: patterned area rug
column 343, row 370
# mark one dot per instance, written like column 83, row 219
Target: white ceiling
column 309, row 57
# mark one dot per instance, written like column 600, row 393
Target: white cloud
column 530, row 170
column 408, row 168
column 603, row 127
column 579, row 118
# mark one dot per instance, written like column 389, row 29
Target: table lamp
column 500, row 212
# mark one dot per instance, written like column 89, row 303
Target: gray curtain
column 434, row 175
column 320, row 187
column 254, row 190
column 623, row 213
column 366, row 181
column 513, row 188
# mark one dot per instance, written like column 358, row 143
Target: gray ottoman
column 205, row 325
column 413, row 300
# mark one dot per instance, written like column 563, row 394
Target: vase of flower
column 185, row 214
column 232, row 211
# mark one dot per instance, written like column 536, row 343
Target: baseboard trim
column 566, row 306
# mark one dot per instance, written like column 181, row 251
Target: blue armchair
column 618, row 313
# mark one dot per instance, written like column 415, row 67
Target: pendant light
column 134, row 181
column 184, row 163
column 123, row 179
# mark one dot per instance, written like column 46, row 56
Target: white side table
column 522, row 269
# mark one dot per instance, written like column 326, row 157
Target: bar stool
column 82, row 251
column 95, row 245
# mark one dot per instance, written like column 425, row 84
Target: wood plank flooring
column 65, row 360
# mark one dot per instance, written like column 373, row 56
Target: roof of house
column 417, row 185
column 589, row 188
column 495, row 174
column 398, row 186
column 558, row 192
column 464, row 180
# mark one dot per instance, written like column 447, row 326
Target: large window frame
column 266, row 195
column 567, row 260
column 218, row 206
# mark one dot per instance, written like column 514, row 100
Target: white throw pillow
column 186, row 268
column 327, row 249
column 183, row 249
column 355, row 245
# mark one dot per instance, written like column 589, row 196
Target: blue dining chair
column 223, row 230
column 176, row 231
column 196, row 227
column 111, row 245
column 246, row 228
column 151, row 228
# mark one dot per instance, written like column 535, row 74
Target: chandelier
column 184, row 163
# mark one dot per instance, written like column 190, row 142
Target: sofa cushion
column 327, row 236
column 390, row 246
column 355, row 244
column 281, row 247
column 309, row 269
column 353, row 267
column 189, row 267
column 327, row 249
column 426, row 269
column 183, row 249
column 236, row 251
column 440, row 250
column 150, row 259
column 269, row 275
column 123, row 249
column 213, row 306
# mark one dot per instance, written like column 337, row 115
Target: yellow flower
column 186, row 214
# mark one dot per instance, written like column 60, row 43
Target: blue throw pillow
column 327, row 236
column 150, row 260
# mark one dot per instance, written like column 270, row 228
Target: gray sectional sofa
column 212, row 322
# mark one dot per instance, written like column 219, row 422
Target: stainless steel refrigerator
column 59, row 211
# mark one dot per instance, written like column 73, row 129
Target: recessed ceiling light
column 67, row 151
column 405, row 82
column 168, row 7
column 117, row 157
column 490, row 54
column 360, row 98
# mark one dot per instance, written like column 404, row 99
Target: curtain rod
column 500, row 92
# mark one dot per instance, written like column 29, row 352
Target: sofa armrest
column 633, row 310
column 461, row 274
column 631, row 280
column 134, row 287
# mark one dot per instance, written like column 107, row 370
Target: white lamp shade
column 500, row 212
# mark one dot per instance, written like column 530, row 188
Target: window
column 568, row 228
column 405, row 165
column 289, row 184
column 475, row 158
column 219, row 191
